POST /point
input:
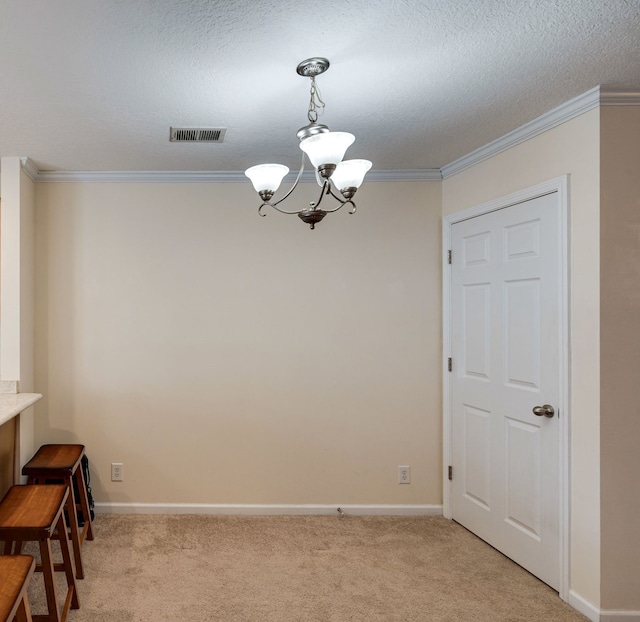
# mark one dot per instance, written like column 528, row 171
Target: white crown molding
column 417, row 174
column 574, row 107
column 597, row 96
column 141, row 176
column 267, row 510
column 200, row 176
column 29, row 168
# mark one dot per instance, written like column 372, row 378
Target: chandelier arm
column 278, row 209
column 295, row 184
column 342, row 202
column 338, row 198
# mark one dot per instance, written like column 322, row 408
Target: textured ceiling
column 96, row 84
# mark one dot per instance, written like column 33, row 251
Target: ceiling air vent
column 197, row 134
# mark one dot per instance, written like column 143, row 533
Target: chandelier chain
column 315, row 102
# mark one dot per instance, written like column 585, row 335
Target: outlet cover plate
column 404, row 474
column 117, row 472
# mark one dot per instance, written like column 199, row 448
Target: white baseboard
column 267, row 510
column 584, row 606
column 600, row 615
column 619, row 616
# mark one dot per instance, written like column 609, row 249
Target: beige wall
column 570, row 149
column 620, row 360
column 230, row 359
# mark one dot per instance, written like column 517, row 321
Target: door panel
column 522, row 316
column 476, row 300
column 505, row 339
column 523, row 476
column 477, row 454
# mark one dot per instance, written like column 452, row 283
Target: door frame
column 560, row 185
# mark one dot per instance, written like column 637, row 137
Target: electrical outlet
column 117, row 472
column 404, row 474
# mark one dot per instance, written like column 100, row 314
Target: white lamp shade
column 350, row 173
column 327, row 148
column 266, row 176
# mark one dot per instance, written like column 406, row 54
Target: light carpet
column 150, row 568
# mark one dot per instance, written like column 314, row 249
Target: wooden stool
column 16, row 572
column 33, row 513
column 61, row 463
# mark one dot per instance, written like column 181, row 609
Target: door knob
column 546, row 411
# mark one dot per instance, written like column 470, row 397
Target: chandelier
column 325, row 149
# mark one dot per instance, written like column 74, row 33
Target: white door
column 505, row 347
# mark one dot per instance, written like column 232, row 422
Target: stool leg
column 87, row 530
column 75, row 531
column 49, row 582
column 24, row 611
column 72, row 594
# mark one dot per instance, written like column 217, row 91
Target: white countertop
column 13, row 403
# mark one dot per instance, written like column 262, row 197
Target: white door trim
column 561, row 186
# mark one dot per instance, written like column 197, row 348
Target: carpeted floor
column 144, row 568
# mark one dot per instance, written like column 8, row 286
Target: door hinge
column 449, row 255
column 450, row 472
column 450, row 364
